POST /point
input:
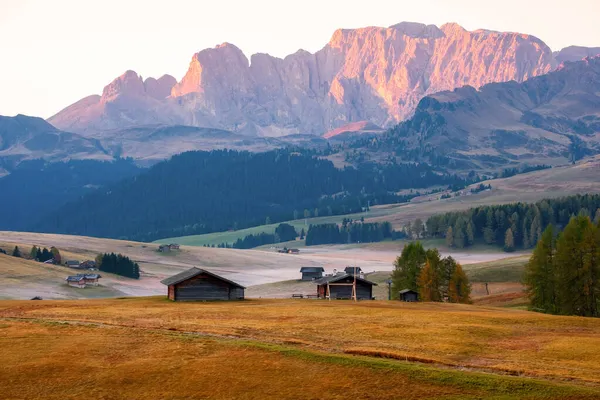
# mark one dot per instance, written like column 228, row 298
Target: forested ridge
column 200, row 192
column 512, row 226
column 37, row 188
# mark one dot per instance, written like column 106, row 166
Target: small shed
column 197, row 284
column 311, row 273
column 72, row 263
column 364, row 288
column 408, row 295
column 350, row 271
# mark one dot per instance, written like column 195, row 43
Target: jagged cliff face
column 370, row 74
column 510, row 123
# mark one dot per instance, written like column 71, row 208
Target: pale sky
column 55, row 52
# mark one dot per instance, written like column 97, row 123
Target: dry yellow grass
column 491, row 339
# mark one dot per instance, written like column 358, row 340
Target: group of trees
column 38, row 254
column 43, row 255
column 433, row 277
column 563, row 274
column 349, row 232
column 118, row 264
column 202, row 192
column 512, row 226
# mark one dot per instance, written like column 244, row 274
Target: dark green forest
column 563, row 274
column 511, row 226
column 36, row 188
column 350, row 232
column 201, row 192
column 118, row 264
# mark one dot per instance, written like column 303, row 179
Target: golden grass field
column 149, row 348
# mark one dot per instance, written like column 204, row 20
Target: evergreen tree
column 535, row 232
column 295, row 214
column 525, row 233
column 447, row 267
column 16, row 252
column 418, row 228
column 429, row 284
column 509, row 241
column 408, row 266
column 597, row 217
column 459, row 235
column 268, row 221
column 540, row 275
column 470, row 233
column 449, row 237
column 459, row 288
column 34, row 253
column 578, row 268
column 489, row 235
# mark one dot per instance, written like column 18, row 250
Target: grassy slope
column 151, row 348
column 531, row 187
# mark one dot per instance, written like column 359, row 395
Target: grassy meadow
column 148, row 348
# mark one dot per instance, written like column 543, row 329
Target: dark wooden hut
column 408, row 295
column 364, row 288
column 197, row 284
column 350, row 271
column 311, row 273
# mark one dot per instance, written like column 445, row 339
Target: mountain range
column 371, row 74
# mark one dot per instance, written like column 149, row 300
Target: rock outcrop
column 542, row 120
column 373, row 74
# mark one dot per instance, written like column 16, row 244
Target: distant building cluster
column 80, row 281
column 165, row 248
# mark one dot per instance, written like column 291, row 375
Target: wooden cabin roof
column 337, row 278
column 350, row 270
column 192, row 272
column 312, row 269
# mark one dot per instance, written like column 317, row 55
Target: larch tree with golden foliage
column 459, row 288
column 429, row 283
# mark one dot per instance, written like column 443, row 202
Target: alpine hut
column 311, row 273
column 340, row 287
column 197, row 284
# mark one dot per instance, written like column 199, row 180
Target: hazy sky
column 54, row 52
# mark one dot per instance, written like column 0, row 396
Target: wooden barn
column 197, row 284
column 311, row 273
column 408, row 295
column 364, row 288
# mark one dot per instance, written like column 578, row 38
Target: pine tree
column 535, row 232
column 459, row 288
column 33, row 252
column 509, row 241
column 459, row 235
column 470, row 233
column 578, row 268
column 597, row 217
column 16, row 252
column 449, row 237
column 540, row 275
column 302, row 234
column 525, row 232
column 489, row 235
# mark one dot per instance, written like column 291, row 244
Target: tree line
column 511, row 226
column 350, row 232
column 118, row 264
column 203, row 192
column 563, row 274
column 38, row 254
column 433, row 277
